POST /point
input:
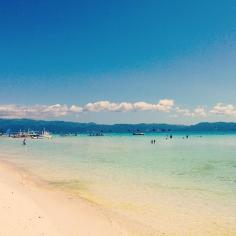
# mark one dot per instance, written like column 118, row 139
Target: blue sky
column 122, row 52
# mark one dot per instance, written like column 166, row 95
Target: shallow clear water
column 128, row 174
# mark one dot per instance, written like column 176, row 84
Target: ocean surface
column 187, row 184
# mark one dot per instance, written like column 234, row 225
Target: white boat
column 46, row 134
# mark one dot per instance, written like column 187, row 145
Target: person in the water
column 24, row 141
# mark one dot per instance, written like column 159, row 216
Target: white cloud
column 100, row 106
column 121, row 107
column 75, row 109
column 164, row 105
column 60, row 110
column 184, row 111
column 37, row 111
column 143, row 106
column 223, row 109
column 200, row 111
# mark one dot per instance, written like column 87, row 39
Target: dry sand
column 26, row 208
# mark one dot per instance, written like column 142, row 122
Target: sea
column 177, row 186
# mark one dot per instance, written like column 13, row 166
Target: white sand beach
column 28, row 209
column 62, row 191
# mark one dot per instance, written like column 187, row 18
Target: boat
column 138, row 133
column 96, row 134
column 33, row 134
column 46, row 134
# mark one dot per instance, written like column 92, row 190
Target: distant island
column 64, row 127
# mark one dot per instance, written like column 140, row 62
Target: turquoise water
column 133, row 177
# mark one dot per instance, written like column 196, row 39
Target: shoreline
column 33, row 206
column 30, row 207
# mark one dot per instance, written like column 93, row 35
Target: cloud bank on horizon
column 63, row 110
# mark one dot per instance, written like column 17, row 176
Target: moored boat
column 46, row 134
column 138, row 133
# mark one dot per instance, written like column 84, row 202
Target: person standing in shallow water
column 24, row 141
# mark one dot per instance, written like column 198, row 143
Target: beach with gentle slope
column 28, row 208
column 118, row 185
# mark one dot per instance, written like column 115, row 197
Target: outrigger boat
column 31, row 134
